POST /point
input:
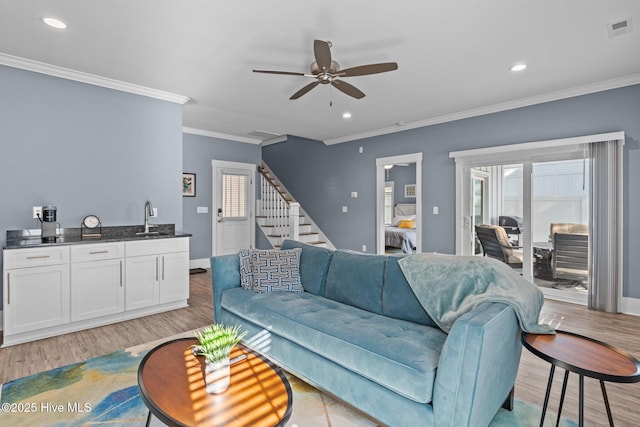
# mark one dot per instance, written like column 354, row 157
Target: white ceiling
column 453, row 56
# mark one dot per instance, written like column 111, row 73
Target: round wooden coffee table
column 171, row 383
column 586, row 357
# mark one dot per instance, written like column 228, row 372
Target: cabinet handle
column 120, row 273
column 8, row 288
column 156, row 269
column 39, row 256
column 98, row 252
column 163, row 267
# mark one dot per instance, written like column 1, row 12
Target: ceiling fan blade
column 289, row 73
column 348, row 89
column 364, row 70
column 304, row 90
column 322, row 52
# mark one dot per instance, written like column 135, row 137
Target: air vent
column 620, row 27
column 262, row 134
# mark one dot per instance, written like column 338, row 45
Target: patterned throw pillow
column 276, row 270
column 246, row 271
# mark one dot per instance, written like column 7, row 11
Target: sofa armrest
column 478, row 366
column 225, row 274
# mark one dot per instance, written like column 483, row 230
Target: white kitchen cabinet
column 97, row 280
column 156, row 273
column 52, row 290
column 36, row 289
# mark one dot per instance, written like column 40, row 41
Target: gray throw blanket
column 449, row 286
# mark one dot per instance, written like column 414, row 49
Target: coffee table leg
column 148, row 419
column 606, row 403
column 564, row 389
column 581, row 402
column 546, row 396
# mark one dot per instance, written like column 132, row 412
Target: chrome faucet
column 148, row 211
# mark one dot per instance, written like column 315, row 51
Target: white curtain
column 605, row 243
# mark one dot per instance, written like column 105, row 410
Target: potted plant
column 216, row 342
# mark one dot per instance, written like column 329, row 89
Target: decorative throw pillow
column 397, row 219
column 405, row 223
column 276, row 270
column 246, row 270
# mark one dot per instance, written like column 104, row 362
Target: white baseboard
column 200, row 263
column 630, row 306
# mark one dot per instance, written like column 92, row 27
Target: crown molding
column 211, row 134
column 79, row 76
column 496, row 108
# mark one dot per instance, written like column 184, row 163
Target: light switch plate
column 202, row 209
column 435, row 210
column 344, row 209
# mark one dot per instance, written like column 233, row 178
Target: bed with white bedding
column 401, row 234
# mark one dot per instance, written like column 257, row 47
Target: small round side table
column 586, row 357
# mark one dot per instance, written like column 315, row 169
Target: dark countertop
column 17, row 239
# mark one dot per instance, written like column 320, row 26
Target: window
column 388, row 202
column 410, row 191
column 234, row 196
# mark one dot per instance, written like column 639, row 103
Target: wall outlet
column 37, row 212
column 364, row 248
column 155, row 212
column 345, row 209
column 354, row 194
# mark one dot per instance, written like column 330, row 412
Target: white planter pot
column 217, row 376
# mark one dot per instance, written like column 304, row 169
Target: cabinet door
column 97, row 289
column 142, row 278
column 36, row 298
column 174, row 277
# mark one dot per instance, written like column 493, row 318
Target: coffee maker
column 50, row 228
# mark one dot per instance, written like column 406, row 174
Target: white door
column 234, row 201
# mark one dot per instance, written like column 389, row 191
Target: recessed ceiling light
column 518, row 67
column 55, row 23
column 346, row 115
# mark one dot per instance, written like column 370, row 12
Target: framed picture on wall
column 410, row 191
column 189, row 185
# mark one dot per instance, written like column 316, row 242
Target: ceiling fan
column 327, row 71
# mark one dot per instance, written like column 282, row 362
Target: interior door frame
column 380, row 179
column 251, row 169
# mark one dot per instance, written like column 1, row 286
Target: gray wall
column 401, row 176
column 198, row 151
column 85, row 149
column 322, row 177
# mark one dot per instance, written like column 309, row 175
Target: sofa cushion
column 399, row 355
column 356, row 279
column 246, row 268
column 398, row 299
column 274, row 270
column 314, row 264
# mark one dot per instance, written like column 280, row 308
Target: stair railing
column 282, row 214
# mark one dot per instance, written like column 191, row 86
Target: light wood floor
column 618, row 330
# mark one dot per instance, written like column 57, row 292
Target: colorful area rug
column 104, row 391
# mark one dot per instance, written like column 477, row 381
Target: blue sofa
column 359, row 333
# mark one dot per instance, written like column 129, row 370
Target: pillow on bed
column 397, row 219
column 406, row 223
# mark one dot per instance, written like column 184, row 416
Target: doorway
column 412, row 191
column 233, row 200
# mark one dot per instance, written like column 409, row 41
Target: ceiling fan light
column 55, row 23
column 518, row 67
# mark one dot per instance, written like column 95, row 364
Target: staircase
column 280, row 216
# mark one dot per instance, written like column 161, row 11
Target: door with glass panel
column 560, row 227
column 233, row 218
